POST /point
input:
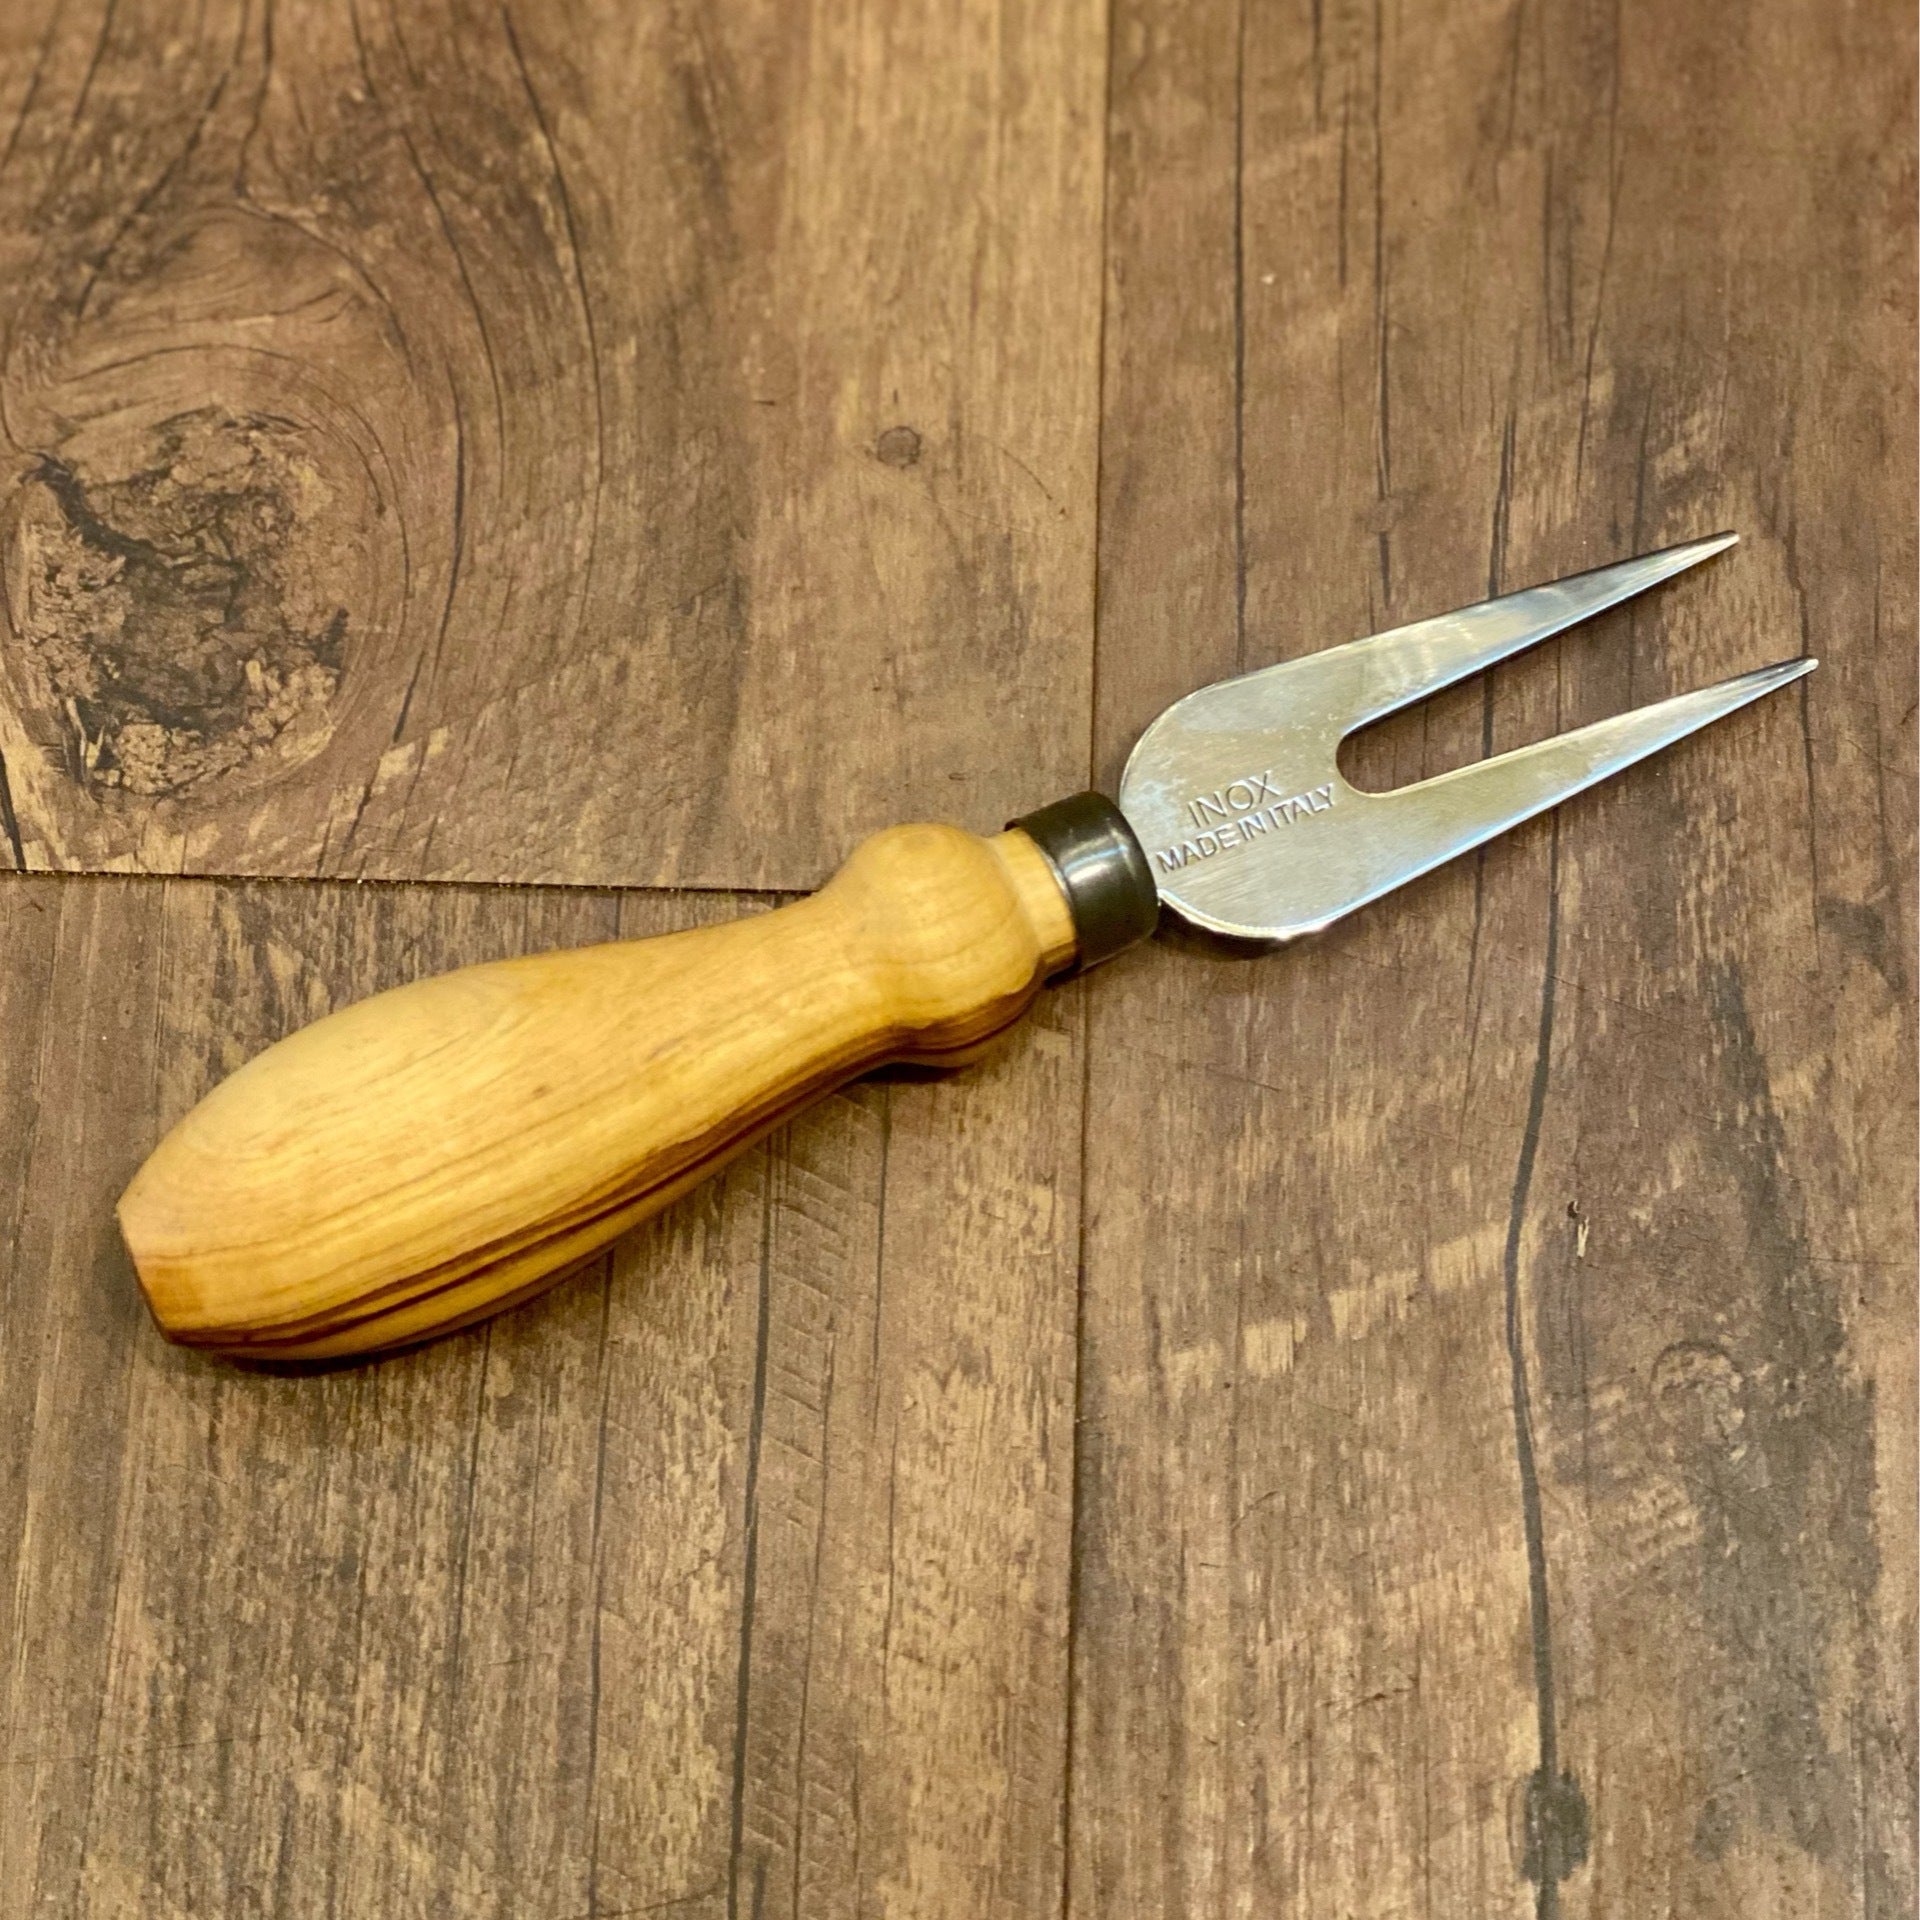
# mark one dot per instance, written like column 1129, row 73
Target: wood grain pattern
column 1501, row 1454
column 433, row 1154
column 1422, row 1424
column 731, row 1573
column 446, row 440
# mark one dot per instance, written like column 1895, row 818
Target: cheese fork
column 440, row 1151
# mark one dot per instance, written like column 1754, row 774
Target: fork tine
column 1407, row 663
column 1454, row 812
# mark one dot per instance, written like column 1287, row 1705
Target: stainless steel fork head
column 1252, row 831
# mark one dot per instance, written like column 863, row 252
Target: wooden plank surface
column 730, row 1578
column 1419, row 1424
column 1497, row 1482
column 553, row 441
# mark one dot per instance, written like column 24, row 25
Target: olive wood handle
column 442, row 1150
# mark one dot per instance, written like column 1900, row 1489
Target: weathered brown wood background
column 1421, row 1425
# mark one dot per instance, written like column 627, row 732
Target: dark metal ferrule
column 1102, row 871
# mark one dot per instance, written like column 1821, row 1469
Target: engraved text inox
column 1237, row 797
column 1236, row 815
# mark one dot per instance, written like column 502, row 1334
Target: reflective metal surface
column 1249, row 827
